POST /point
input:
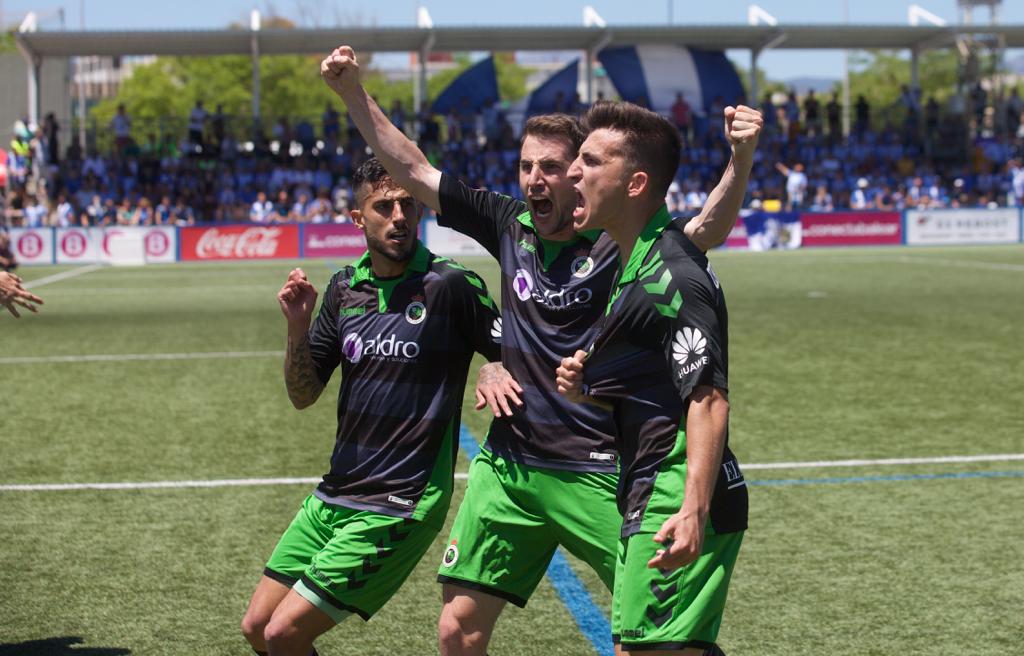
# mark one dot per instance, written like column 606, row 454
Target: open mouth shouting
column 541, row 207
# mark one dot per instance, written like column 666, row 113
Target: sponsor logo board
column 851, row 228
column 963, row 226
column 239, row 242
column 332, row 240
column 32, row 245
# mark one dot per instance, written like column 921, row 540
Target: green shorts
column 654, row 610
column 347, row 561
column 514, row 516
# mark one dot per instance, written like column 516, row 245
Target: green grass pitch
column 835, row 354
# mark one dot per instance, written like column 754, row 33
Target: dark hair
column 560, row 126
column 651, row 143
column 371, row 175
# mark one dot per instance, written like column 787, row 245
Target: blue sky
column 782, row 64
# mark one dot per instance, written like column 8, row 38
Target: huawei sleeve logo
column 688, row 351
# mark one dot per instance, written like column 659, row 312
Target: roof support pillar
column 754, row 99
column 254, row 24
column 590, row 56
column 419, row 85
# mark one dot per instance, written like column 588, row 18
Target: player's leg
column 498, row 551
column 675, row 612
column 305, row 536
column 582, row 509
column 296, row 623
column 265, row 599
column 467, row 620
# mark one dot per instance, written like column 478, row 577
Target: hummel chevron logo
column 660, row 593
column 659, row 290
column 658, row 620
column 496, row 329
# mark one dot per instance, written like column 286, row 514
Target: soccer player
column 547, row 473
column 661, row 359
column 403, row 324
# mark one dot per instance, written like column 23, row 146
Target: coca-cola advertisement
column 332, row 240
column 239, row 242
column 738, row 235
column 32, row 245
column 851, row 229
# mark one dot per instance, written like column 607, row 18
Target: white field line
column 257, row 482
column 144, row 357
column 57, row 277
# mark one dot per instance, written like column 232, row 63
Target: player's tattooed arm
column 297, row 299
column 495, row 387
column 300, row 377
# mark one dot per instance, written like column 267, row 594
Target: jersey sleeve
column 695, row 348
column 324, row 341
column 476, row 314
column 482, row 215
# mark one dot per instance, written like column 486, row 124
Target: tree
column 879, row 75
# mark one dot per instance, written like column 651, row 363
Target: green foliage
column 764, row 85
column 7, row 43
column 878, row 76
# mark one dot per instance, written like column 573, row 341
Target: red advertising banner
column 239, row 242
column 332, row 240
column 851, row 229
column 738, row 236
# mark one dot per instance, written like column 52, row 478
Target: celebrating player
column 547, row 473
column 403, row 324
column 661, row 360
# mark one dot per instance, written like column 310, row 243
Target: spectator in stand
column 65, row 212
column 319, row 209
column 305, row 135
column 429, row 132
column 182, row 213
column 218, row 124
column 35, row 212
column 682, row 116
column 397, row 115
column 822, row 201
column 298, row 211
column 812, row 113
column 1016, row 174
column 796, row 184
column 862, row 115
column 330, row 124
column 92, row 215
column 125, row 213
column 162, row 212
column 283, row 207
column 197, row 126
column 860, row 199
column 771, row 115
column 792, row 116
column 262, row 210
column 143, row 214
column 833, row 113
column 51, row 130
column 121, row 126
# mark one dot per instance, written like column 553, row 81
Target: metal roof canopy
column 455, row 39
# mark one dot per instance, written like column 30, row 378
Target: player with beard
column 660, row 359
column 403, row 324
column 547, row 473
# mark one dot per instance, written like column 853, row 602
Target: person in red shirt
column 682, row 116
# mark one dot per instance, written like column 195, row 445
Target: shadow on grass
column 58, row 647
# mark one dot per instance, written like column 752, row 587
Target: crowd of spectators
column 914, row 155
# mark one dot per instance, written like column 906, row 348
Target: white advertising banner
column 32, row 245
column 447, row 242
column 963, row 226
column 78, row 245
column 159, row 243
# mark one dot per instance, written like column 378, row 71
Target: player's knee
column 280, row 634
column 456, row 633
column 253, row 626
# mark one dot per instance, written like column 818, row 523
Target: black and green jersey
column 553, row 294
column 404, row 345
column 666, row 333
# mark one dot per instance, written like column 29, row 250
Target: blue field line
column 574, row 595
column 895, row 477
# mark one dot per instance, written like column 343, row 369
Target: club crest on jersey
column 582, row 266
column 688, row 350
column 522, row 284
column 352, row 347
column 416, row 311
column 451, row 554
